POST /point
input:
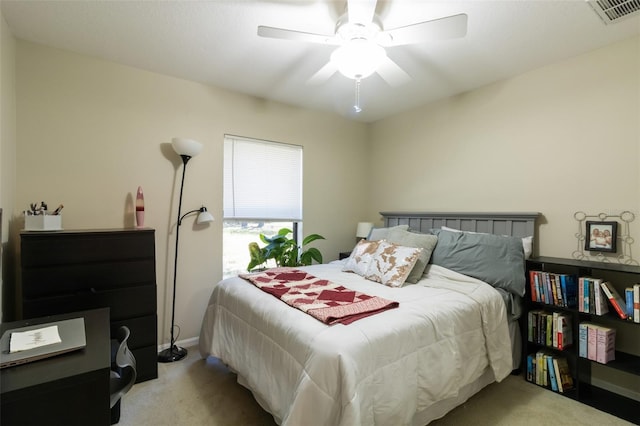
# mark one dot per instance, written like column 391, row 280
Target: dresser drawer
column 85, row 247
column 125, row 303
column 60, row 279
column 146, row 363
column 144, row 330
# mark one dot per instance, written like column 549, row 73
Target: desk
column 68, row 389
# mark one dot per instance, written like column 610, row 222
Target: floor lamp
column 186, row 148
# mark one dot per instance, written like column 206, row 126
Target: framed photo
column 601, row 236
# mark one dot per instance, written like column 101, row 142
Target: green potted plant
column 284, row 250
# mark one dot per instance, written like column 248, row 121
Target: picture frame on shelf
column 601, row 236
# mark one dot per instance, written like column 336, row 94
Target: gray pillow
column 410, row 239
column 381, row 233
column 495, row 259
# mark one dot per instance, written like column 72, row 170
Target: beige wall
column 7, row 150
column 557, row 140
column 91, row 131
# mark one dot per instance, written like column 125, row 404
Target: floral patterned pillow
column 361, row 256
column 392, row 264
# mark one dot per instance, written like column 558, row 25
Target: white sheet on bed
column 448, row 330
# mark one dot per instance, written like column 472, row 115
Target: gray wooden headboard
column 513, row 224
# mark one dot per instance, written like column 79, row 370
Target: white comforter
column 380, row 370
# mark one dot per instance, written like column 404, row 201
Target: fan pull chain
column 356, row 107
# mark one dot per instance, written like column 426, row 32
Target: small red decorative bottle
column 140, row 208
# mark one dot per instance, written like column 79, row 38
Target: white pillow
column 527, row 242
column 392, row 264
column 361, row 256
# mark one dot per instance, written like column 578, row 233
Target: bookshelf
column 588, row 388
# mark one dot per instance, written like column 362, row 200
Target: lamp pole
column 186, row 148
column 173, row 352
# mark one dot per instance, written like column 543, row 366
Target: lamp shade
column 187, row 147
column 204, row 216
column 363, row 229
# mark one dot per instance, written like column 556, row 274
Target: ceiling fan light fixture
column 358, row 58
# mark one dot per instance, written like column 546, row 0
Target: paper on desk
column 25, row 340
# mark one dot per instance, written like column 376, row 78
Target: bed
column 450, row 335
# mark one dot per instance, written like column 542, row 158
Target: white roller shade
column 262, row 180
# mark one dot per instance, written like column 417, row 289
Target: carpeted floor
column 196, row 392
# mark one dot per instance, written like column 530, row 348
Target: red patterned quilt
column 324, row 300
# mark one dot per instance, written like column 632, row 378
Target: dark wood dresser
column 68, row 271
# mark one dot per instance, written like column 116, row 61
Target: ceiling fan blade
column 361, row 11
column 323, row 74
column 392, row 73
column 438, row 29
column 271, row 32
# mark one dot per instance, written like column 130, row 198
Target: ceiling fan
column 362, row 39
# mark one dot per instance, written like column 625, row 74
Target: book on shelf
column 596, row 342
column 564, row 332
column 535, row 320
column 614, row 299
column 583, row 338
column 546, row 289
column 531, row 368
column 606, row 344
column 557, row 288
column 592, row 300
column 569, row 287
column 600, row 306
column 539, row 370
column 563, row 374
column 584, row 294
column 552, row 329
column 592, row 342
column 628, row 295
column 553, row 289
column 542, row 287
column 636, row 303
column 584, row 307
column 581, row 294
column 552, row 373
column 592, row 295
column 549, row 332
column 542, row 370
column 533, row 287
column 547, row 369
column 542, row 328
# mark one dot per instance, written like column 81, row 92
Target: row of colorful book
column 549, row 370
column 554, row 289
column 551, row 329
column 591, row 297
column 587, row 294
column 598, row 292
column 597, row 342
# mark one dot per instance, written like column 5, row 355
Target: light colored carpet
column 198, row 392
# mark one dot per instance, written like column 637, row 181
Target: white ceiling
column 215, row 42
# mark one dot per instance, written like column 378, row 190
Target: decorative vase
column 140, row 208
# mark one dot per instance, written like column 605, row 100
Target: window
column 262, row 193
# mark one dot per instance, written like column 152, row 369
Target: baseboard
column 186, row 343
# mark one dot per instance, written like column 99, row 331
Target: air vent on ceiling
column 615, row 10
